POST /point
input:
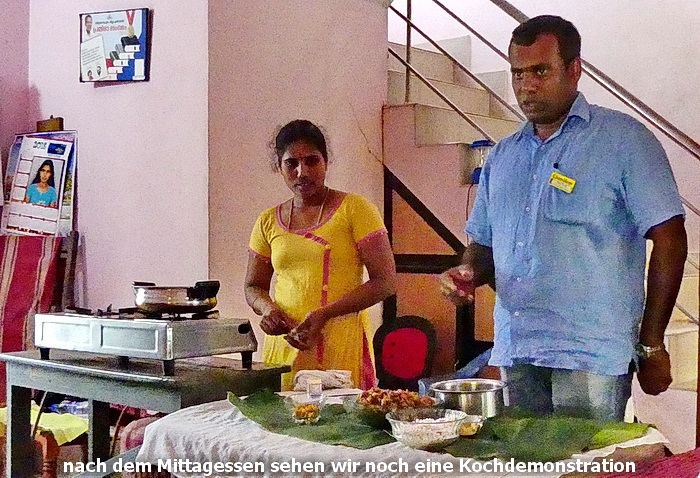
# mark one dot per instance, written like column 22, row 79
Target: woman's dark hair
column 298, row 130
column 568, row 38
column 37, row 178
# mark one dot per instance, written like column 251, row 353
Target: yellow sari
column 314, row 267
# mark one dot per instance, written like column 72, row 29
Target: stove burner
column 132, row 313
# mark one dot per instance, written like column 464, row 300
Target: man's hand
column 276, row 322
column 458, row 284
column 304, row 335
column 654, row 373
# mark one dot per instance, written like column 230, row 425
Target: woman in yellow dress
column 317, row 244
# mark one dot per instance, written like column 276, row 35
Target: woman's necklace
column 320, row 212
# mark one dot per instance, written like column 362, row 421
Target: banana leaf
column 545, row 439
column 334, row 427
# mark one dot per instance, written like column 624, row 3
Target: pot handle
column 144, row 284
column 204, row 290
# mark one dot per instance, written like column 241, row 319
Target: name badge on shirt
column 562, row 182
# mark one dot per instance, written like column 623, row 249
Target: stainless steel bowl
column 474, row 396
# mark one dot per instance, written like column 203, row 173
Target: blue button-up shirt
column 570, row 266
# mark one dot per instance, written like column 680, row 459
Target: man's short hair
column 567, row 35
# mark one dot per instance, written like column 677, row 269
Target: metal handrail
column 442, row 96
column 687, row 313
column 617, row 90
column 407, row 90
column 459, row 64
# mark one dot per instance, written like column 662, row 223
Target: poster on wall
column 114, row 46
column 38, row 189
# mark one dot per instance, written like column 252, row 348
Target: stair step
column 682, row 344
column 428, row 63
column 469, row 100
column 688, row 295
column 436, row 125
column 460, row 48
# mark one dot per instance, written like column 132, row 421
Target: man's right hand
column 276, row 322
column 457, row 284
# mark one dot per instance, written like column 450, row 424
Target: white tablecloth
column 219, row 432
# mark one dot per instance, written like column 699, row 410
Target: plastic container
column 480, row 150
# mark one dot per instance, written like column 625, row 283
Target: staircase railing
column 647, row 113
column 617, row 90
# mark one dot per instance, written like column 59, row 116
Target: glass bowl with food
column 371, row 406
column 305, row 409
column 429, row 429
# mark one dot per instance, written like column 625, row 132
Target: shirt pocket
column 576, row 207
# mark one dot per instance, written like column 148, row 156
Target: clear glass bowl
column 305, row 409
column 374, row 415
column 429, row 429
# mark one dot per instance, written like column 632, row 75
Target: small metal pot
column 475, row 396
column 154, row 299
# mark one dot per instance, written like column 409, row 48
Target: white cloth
column 329, row 379
column 219, row 432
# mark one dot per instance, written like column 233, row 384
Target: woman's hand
column 304, row 335
column 276, row 322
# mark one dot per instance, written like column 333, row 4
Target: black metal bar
column 425, row 213
column 425, row 263
column 389, row 204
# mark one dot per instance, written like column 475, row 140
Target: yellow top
column 314, row 267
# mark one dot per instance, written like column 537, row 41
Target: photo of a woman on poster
column 42, row 191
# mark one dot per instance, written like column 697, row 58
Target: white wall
column 649, row 47
column 271, row 62
column 142, row 148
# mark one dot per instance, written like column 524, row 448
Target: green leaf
column 617, row 433
column 334, row 427
column 545, row 439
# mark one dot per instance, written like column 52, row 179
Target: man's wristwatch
column 645, row 351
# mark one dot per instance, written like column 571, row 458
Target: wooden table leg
column 49, row 454
column 19, row 445
column 98, row 435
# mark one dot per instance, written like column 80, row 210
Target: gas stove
column 127, row 334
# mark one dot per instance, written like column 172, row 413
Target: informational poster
column 114, row 46
column 39, row 184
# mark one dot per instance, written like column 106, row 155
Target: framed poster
column 114, row 46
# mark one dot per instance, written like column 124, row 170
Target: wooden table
column 102, row 380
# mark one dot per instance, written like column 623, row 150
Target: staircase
column 426, row 146
column 426, row 143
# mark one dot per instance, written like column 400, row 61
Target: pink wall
column 142, row 150
column 16, row 99
column 271, row 62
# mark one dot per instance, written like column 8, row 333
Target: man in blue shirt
column 559, row 228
